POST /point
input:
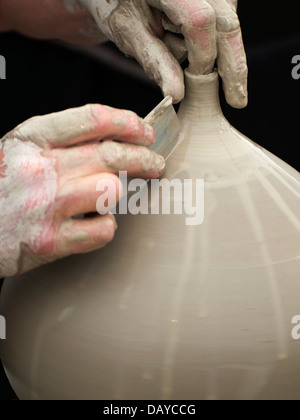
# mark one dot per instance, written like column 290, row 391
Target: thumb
column 153, row 54
column 160, row 64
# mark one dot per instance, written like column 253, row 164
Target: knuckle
column 113, row 154
column 91, row 112
column 203, row 17
column 134, row 126
column 131, row 116
column 228, row 23
column 117, row 22
column 27, row 130
column 121, row 24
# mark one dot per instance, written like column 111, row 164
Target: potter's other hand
column 50, row 167
column 231, row 58
column 210, row 28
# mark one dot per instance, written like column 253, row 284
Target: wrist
column 44, row 19
column 14, row 14
column 4, row 25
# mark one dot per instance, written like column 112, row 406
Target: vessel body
column 172, row 309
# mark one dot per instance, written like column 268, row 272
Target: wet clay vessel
column 168, row 310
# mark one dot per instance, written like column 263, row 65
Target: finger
column 108, row 156
column 79, row 196
column 235, row 3
column 81, row 236
column 154, row 20
column 168, row 25
column 198, row 26
column 232, row 62
column 88, row 123
column 160, row 64
column 152, row 53
column 177, row 46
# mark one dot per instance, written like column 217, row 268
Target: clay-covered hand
column 50, row 167
column 211, row 30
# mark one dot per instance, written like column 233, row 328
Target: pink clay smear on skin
column 2, row 165
column 235, row 44
column 29, row 188
column 202, row 38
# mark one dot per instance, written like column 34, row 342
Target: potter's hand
column 210, row 28
column 47, row 176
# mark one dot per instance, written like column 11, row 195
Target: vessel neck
column 201, row 97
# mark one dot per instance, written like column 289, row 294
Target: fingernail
column 238, row 97
column 114, row 220
column 160, row 164
column 152, row 163
column 242, row 91
column 149, row 133
column 110, row 223
column 175, row 87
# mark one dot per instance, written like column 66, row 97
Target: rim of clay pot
column 202, row 77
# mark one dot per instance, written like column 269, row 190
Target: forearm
column 3, row 18
column 19, row 14
column 38, row 18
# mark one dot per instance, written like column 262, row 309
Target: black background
column 44, row 77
